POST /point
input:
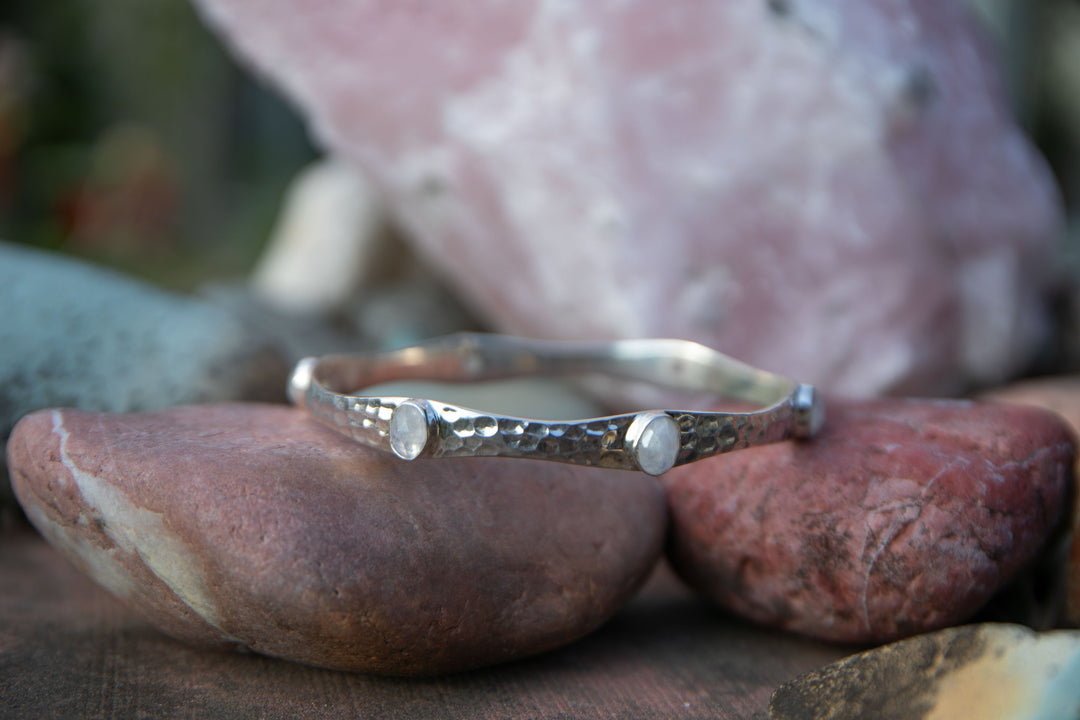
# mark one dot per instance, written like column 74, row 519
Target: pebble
column 827, row 189
column 334, row 261
column 83, row 336
column 901, row 517
column 326, row 244
column 989, row 671
column 252, row 526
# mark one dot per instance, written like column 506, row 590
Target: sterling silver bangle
column 653, row 441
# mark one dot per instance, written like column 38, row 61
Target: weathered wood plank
column 68, row 649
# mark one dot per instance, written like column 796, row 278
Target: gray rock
column 82, row 336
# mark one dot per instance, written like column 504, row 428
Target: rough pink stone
column 830, row 189
column 253, row 526
column 901, row 517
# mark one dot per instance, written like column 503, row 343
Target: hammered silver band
column 653, row 441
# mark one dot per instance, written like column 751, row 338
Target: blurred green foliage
column 128, row 135
column 1040, row 48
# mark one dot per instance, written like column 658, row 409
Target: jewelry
column 653, row 441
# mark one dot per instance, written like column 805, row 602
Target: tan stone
column 989, row 671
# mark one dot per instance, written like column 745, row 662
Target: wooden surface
column 69, row 650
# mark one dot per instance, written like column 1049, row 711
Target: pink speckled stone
column 901, row 517
column 254, row 526
column 830, row 189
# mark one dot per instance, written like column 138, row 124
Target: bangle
column 653, row 441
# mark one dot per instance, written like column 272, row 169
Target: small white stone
column 327, row 243
column 408, row 430
column 658, row 445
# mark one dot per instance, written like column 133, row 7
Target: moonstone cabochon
column 409, row 430
column 251, row 525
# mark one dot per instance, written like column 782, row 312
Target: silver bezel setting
column 809, row 411
column 634, row 434
column 401, row 446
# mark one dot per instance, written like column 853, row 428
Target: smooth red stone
column 901, row 517
column 253, row 526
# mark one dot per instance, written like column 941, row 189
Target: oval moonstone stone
column 408, row 430
column 658, row 446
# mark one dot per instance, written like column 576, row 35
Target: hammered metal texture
column 364, row 419
column 599, row 442
column 462, row 432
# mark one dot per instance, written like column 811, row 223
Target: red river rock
column 253, row 526
column 901, row 517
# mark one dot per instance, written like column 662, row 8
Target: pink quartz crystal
column 833, row 189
